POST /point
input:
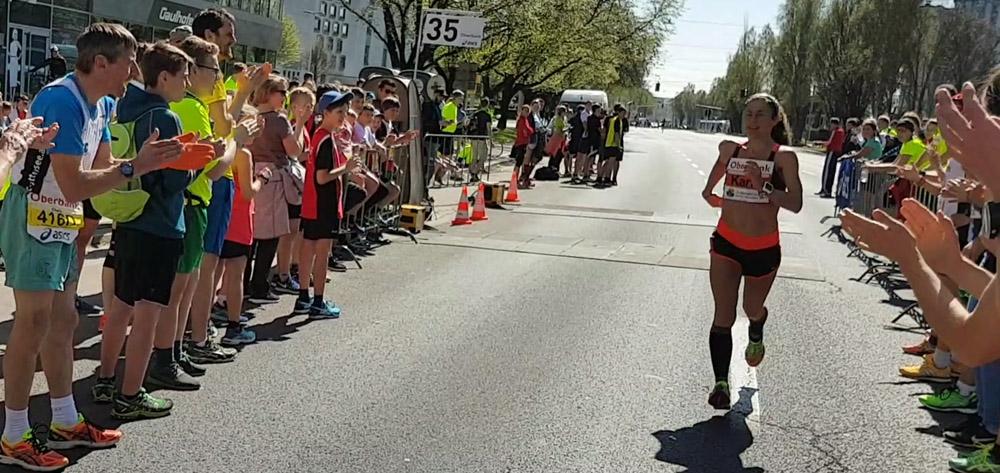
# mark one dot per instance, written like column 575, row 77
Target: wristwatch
column 767, row 188
column 127, row 169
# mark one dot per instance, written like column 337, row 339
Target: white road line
column 701, row 172
column 743, row 378
column 688, row 159
column 694, row 165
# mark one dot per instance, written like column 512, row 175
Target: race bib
column 738, row 185
column 51, row 222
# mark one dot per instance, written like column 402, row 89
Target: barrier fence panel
column 457, row 159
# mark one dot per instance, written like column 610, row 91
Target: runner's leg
column 724, row 275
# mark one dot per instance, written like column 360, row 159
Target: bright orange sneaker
column 83, row 434
column 32, row 454
column 920, row 349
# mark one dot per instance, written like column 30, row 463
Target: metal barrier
column 456, row 159
column 865, row 191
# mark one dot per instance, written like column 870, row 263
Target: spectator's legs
column 263, row 259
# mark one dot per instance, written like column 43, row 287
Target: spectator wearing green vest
column 613, row 148
column 450, row 116
column 232, row 83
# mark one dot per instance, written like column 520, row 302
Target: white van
column 573, row 97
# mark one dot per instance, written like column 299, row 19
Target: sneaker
column 213, row 332
column 920, row 349
column 336, row 266
column 83, row 434
column 239, row 336
column 261, row 299
column 614, row 182
column 142, row 406
column 223, row 318
column 719, row 398
column 927, row 371
column 980, row 461
column 31, row 453
column 302, row 306
column 189, row 367
column 103, row 391
column 85, row 308
column 973, row 435
column 286, row 286
column 171, row 376
column 950, row 400
column 210, row 353
column 754, row 353
column 324, row 310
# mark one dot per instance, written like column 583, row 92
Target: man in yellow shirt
column 450, row 116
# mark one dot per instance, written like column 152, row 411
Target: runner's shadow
column 711, row 446
column 278, row 329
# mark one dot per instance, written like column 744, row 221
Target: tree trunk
column 506, row 95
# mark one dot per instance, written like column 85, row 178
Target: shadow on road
column 713, row 445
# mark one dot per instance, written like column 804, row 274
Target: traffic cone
column 462, row 216
column 512, row 192
column 479, row 211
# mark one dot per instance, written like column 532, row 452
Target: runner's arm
column 971, row 336
column 791, row 198
column 719, row 168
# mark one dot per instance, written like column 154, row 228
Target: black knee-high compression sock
column 720, row 345
column 757, row 328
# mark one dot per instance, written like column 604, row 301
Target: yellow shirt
column 450, row 114
column 194, row 118
column 218, row 95
column 915, row 150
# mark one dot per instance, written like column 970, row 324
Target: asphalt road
column 566, row 335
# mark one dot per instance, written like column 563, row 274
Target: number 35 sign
column 453, row 28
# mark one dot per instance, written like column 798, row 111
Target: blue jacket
column 163, row 215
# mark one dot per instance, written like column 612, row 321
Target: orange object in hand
column 194, row 157
column 190, row 137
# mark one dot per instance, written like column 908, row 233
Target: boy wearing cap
column 322, row 204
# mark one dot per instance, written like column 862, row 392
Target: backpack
column 127, row 201
column 546, row 174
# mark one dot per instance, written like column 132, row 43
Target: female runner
column 761, row 178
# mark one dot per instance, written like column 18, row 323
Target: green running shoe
column 981, row 461
column 755, row 353
column 143, row 406
column 950, row 400
column 719, row 398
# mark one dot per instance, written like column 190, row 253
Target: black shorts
column 231, row 250
column 324, row 229
column 575, row 146
column 145, row 266
column 109, row 258
column 89, row 212
column 294, row 211
column 595, row 147
column 753, row 263
column 518, row 152
column 611, row 153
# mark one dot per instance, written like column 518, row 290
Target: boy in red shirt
column 322, row 205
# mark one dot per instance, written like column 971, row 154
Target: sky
column 705, row 35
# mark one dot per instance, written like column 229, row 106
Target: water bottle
column 864, row 174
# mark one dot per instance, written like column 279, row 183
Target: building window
column 82, row 5
column 322, row 8
column 340, row 45
column 368, row 50
column 326, row 26
column 343, row 29
column 329, row 44
column 343, row 11
column 343, row 62
column 336, row 28
column 385, row 58
column 258, row 55
column 318, row 25
column 31, row 14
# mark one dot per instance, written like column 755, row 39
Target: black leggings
column 255, row 276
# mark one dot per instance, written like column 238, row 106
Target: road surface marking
column 701, row 172
column 743, row 378
column 694, row 165
column 688, row 159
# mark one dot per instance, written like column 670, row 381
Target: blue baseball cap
column 332, row 99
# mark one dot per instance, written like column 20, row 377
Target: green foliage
column 290, row 51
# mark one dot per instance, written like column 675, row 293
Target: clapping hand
column 883, row 235
column 972, row 134
column 934, row 235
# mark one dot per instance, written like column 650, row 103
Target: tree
column 748, row 72
column 290, row 52
column 319, row 61
column 793, row 69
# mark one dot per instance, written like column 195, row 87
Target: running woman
column 761, row 178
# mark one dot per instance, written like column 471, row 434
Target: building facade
column 335, row 43
column 30, row 28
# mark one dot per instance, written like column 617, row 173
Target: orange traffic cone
column 462, row 216
column 479, row 211
column 512, row 192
